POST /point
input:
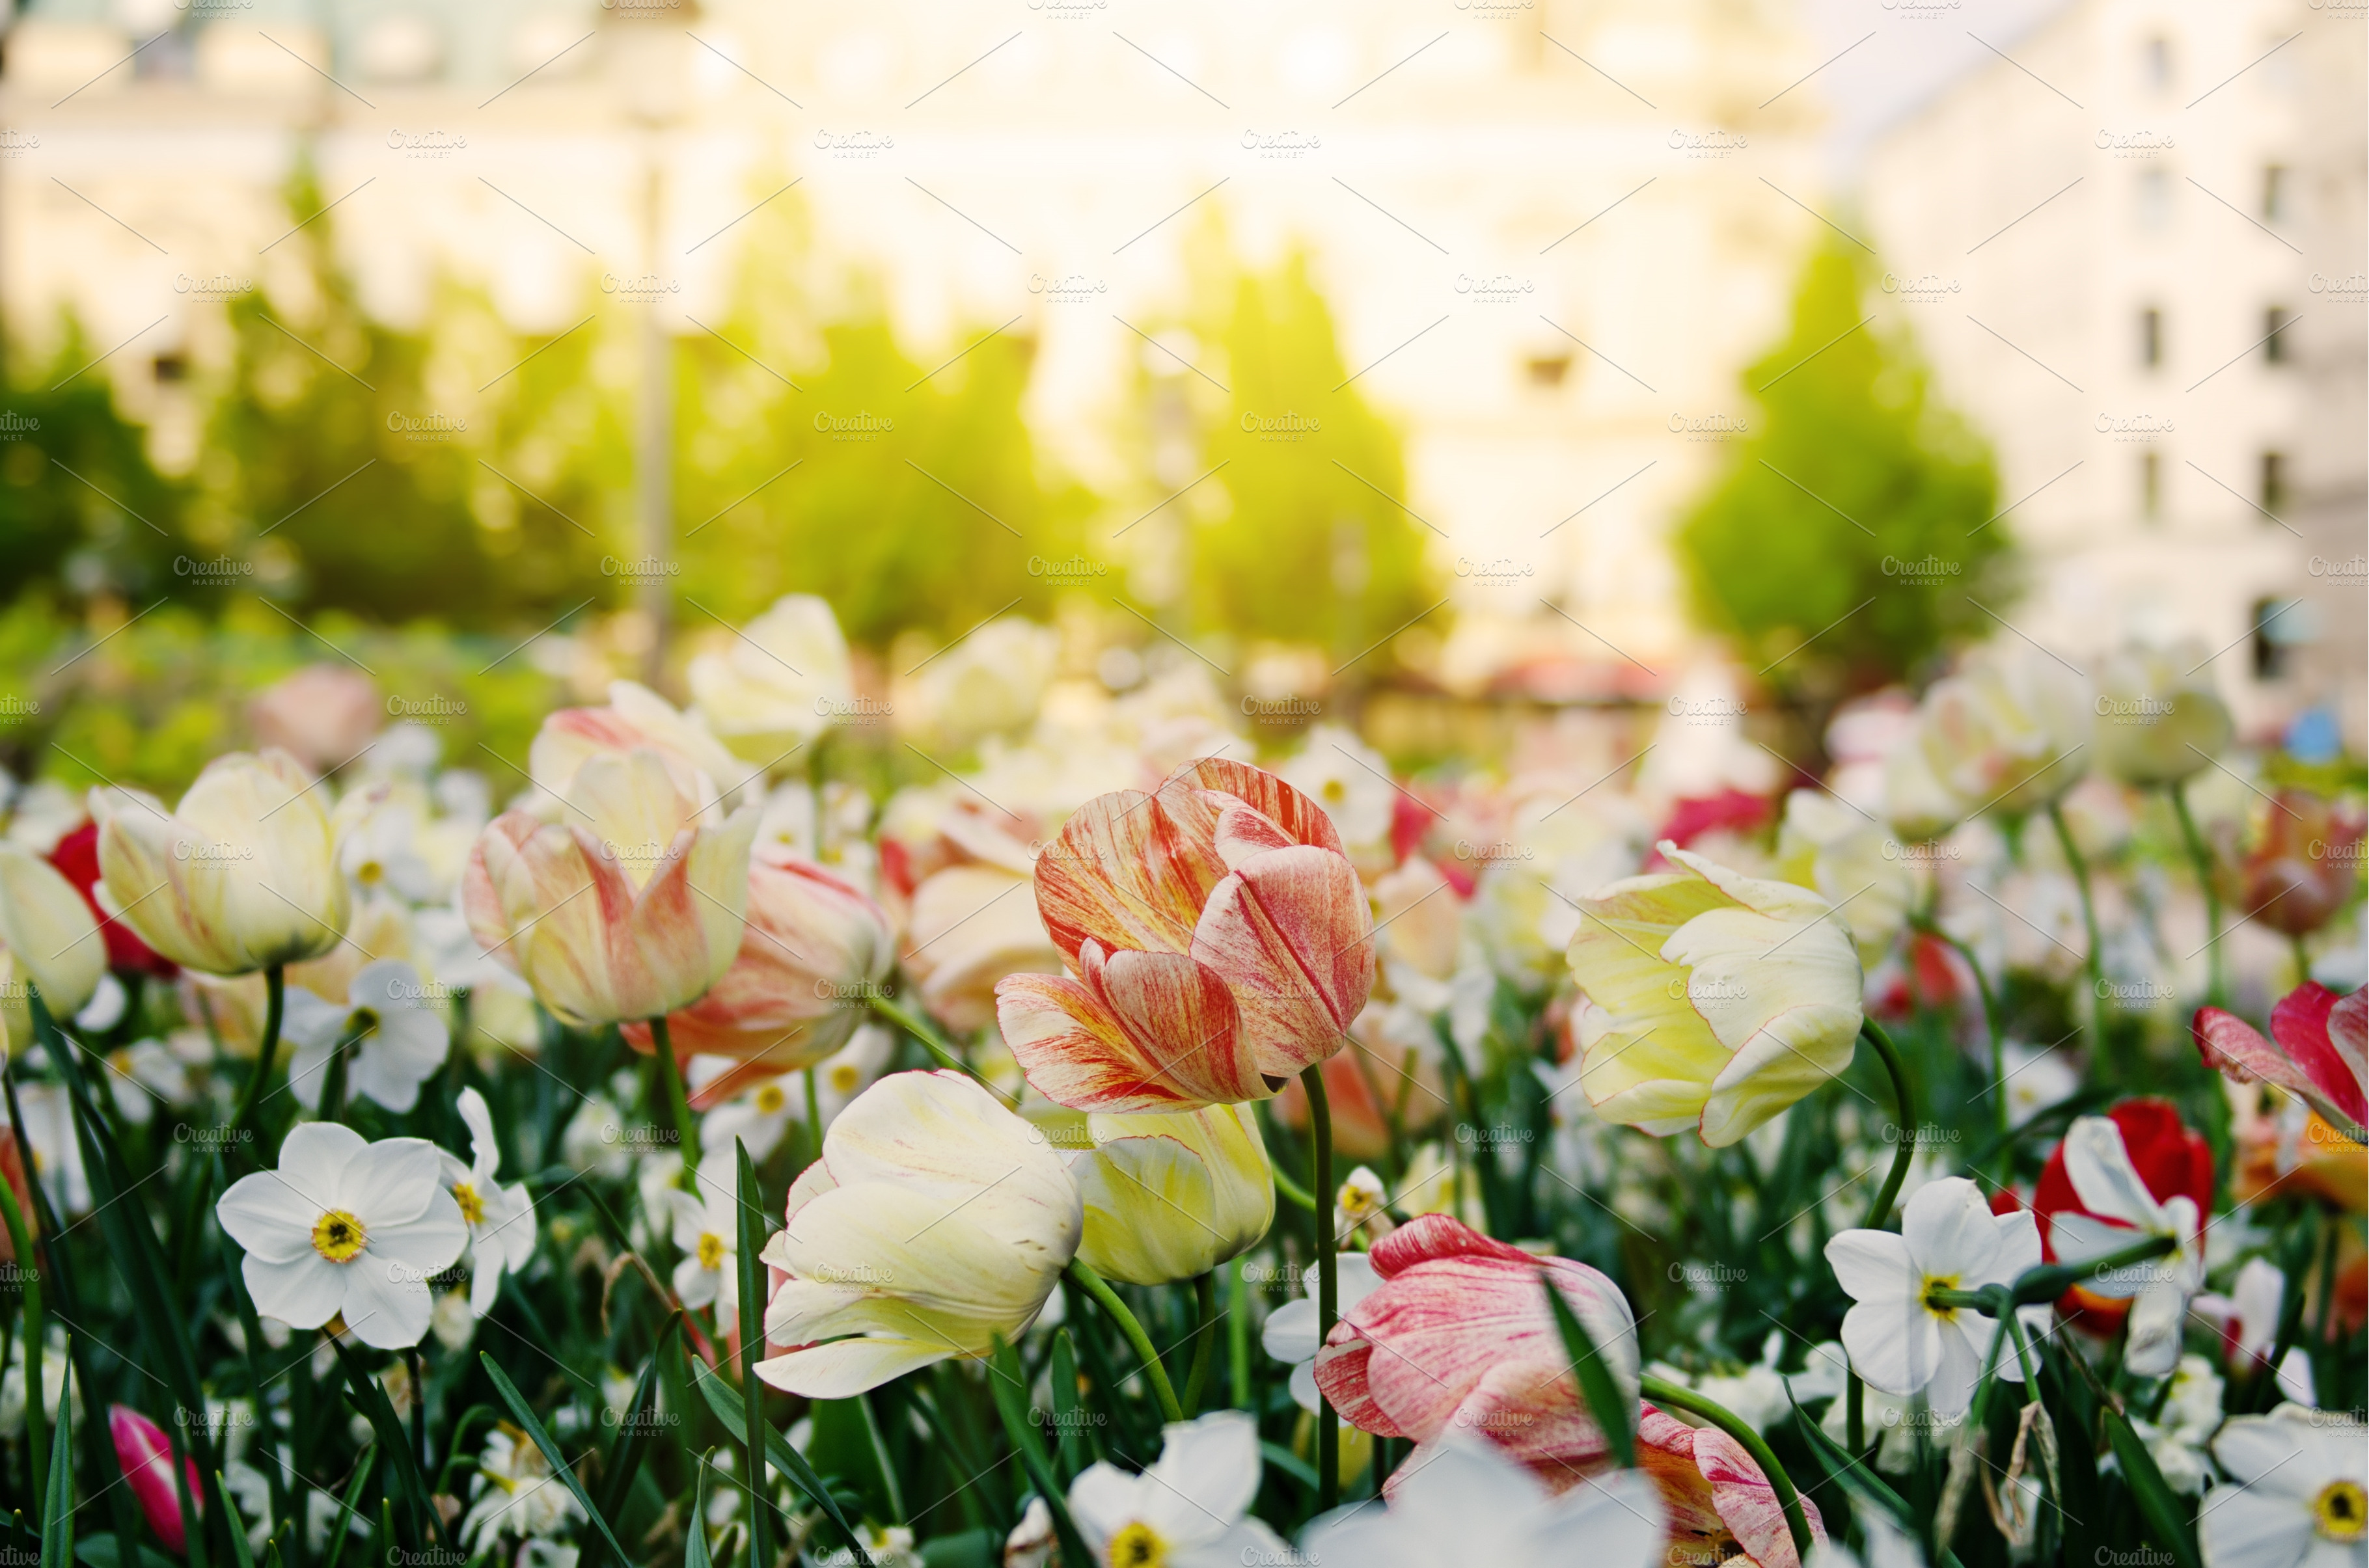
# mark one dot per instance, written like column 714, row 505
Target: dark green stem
column 35, row 1336
column 1161, row 1388
column 1669, row 1396
column 275, row 982
column 931, row 1042
column 677, row 1103
column 2217, row 983
column 1327, row 1282
column 1879, row 1213
column 1204, row 1296
column 1992, row 1026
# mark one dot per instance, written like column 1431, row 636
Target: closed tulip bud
column 630, row 906
column 1220, row 939
column 777, row 682
column 1711, row 999
column 935, row 1223
column 2159, row 718
column 1848, row 859
column 241, row 876
column 48, row 931
column 147, row 1456
column 1172, row 1196
column 2010, row 731
column 815, row 948
column 636, row 719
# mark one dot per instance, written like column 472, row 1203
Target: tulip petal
column 1127, row 872
column 1747, row 1503
column 2302, row 1023
column 1158, row 1032
column 1291, row 934
column 845, row 1368
column 2228, row 1044
column 1299, row 818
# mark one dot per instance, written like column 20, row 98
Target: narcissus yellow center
column 361, row 1023
column 711, row 1250
column 843, row 1078
column 1138, row 1546
column 2341, row 1512
column 337, row 1236
column 1938, row 1282
column 370, row 873
column 473, row 1208
column 770, row 1101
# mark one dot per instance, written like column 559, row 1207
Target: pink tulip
column 1717, row 1496
column 147, row 1456
column 1458, row 1340
column 323, row 714
column 2321, row 1042
column 814, row 950
column 1219, row 938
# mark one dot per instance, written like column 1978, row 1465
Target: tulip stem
column 32, row 1330
column 1327, row 1282
column 1161, row 1388
column 275, row 984
column 912, row 1023
column 1992, row 1027
column 1204, row 1296
column 2216, row 985
column 1879, row 1213
column 1671, row 1396
column 677, row 1103
column 2094, row 965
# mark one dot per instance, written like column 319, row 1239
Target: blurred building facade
column 1549, row 232
column 2134, row 241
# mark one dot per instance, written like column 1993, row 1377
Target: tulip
column 2299, row 872
column 1172, row 1196
column 2117, row 1207
column 990, row 682
column 668, row 886
column 2009, row 731
column 773, row 686
column 1914, row 799
column 2322, row 1041
column 1221, row 943
column 146, row 1455
column 935, row 1223
column 971, row 928
column 1721, row 1503
column 2170, row 1160
column 636, row 719
column 2159, row 718
column 813, row 950
column 242, row 876
column 1457, row 1337
column 323, row 715
column 1710, row 998
column 76, row 859
column 1846, row 857
column 48, row 930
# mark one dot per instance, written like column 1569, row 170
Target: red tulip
column 2319, row 1056
column 147, row 1456
column 2299, row 872
column 1458, row 1339
column 1717, row 1496
column 76, row 859
column 2171, row 1160
column 1220, row 939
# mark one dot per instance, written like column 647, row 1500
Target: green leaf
column 343, row 1527
column 57, row 1509
column 1852, row 1475
column 99, row 1552
column 2166, row 1520
column 694, row 1539
column 1005, row 1383
column 725, row 1400
column 1605, row 1400
column 559, row 1465
column 237, row 1528
column 625, row 1453
column 1068, row 1412
column 1291, row 1464
column 371, row 1400
column 750, row 1217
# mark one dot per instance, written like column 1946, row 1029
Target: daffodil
column 2120, row 1212
column 501, row 1219
column 1901, row 1340
column 708, row 1230
column 2297, row 1496
column 1189, row 1510
column 395, row 1037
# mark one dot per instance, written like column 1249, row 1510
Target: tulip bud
column 1710, row 998
column 631, row 906
column 2159, row 718
column 48, row 930
column 242, row 876
column 2010, row 731
column 147, row 1456
column 1170, row 1197
column 774, row 684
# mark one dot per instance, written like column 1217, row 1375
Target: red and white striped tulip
column 147, row 1456
column 1220, row 942
column 630, row 906
column 1718, row 1496
column 1458, row 1341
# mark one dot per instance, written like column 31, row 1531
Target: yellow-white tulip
column 2159, row 718
column 1711, row 999
column 1170, row 1197
column 935, row 1223
column 1851, row 861
column 242, row 876
column 779, row 682
column 48, row 930
column 2011, row 730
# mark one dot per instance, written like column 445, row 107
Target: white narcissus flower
column 1711, row 999
column 398, row 1036
column 501, row 1219
column 1899, row 1340
column 1188, row 1510
column 1289, row 1332
column 2121, row 1213
column 1170, row 1197
column 708, row 1230
column 241, row 876
column 346, row 1228
column 1471, row 1503
column 1361, row 1208
column 2299, row 1495
column 936, row 1223
column 516, row 1494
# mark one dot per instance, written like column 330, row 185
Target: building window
column 2154, row 200
column 2151, row 484
column 2155, row 64
column 1548, row 370
column 2277, row 193
column 2281, row 626
column 2274, row 484
column 2275, row 347
column 2151, row 337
